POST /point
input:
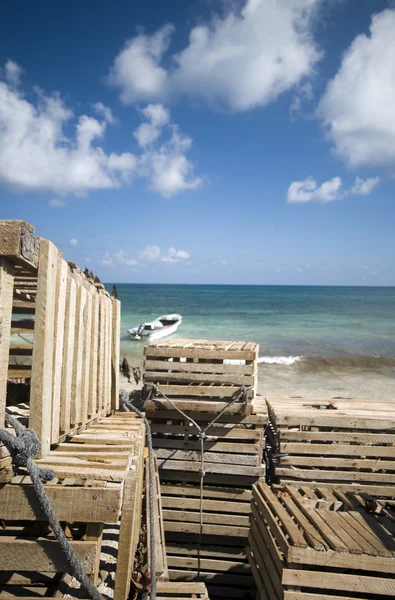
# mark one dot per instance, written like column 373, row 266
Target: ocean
column 314, row 340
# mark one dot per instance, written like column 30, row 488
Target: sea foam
column 279, row 360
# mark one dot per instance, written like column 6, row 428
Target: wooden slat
column 360, row 450
column 59, row 327
column 70, row 503
column 93, row 393
column 85, row 390
column 153, row 353
column 108, row 353
column 68, row 354
column 41, row 385
column 101, row 354
column 197, row 367
column 115, row 356
column 323, row 580
column 43, row 555
column 76, row 389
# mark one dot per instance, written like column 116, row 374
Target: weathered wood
column 18, row 244
column 115, row 355
column 76, row 388
column 342, row 582
column 93, row 407
column 196, row 367
column 68, row 355
column 43, row 555
column 70, row 503
column 179, row 465
column 59, row 327
column 85, row 389
column 41, row 386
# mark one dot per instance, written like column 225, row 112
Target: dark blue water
column 287, row 321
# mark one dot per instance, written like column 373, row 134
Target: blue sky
column 204, row 142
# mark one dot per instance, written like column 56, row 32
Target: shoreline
column 328, row 382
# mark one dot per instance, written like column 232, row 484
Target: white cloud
column 36, row 156
column 57, row 203
column 13, row 72
column 148, row 254
column 309, row 191
column 240, row 61
column 165, row 166
column 358, row 104
column 73, row 242
column 363, row 187
column 104, row 111
column 157, row 117
column 137, row 69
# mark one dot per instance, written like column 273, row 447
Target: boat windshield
column 167, row 321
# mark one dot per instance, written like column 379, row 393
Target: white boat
column 154, row 330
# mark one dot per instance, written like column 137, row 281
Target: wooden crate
column 181, row 591
column 99, row 480
column 200, row 375
column 59, row 348
column 214, row 553
column 316, row 543
column 332, row 442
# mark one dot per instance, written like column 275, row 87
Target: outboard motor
column 140, row 330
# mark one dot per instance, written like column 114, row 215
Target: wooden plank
column 227, row 419
column 196, row 367
column 322, row 580
column 207, row 564
column 214, row 433
column 207, row 529
column 108, row 353
column 153, row 353
column 224, row 518
column 329, row 462
column 76, row 388
column 21, row 350
column 180, row 465
column 41, row 385
column 59, row 327
column 337, row 419
column 130, row 526
column 19, row 372
column 17, row 242
column 209, row 492
column 93, row 407
column 339, row 476
column 201, row 378
column 359, row 450
column 101, row 354
column 70, row 503
column 209, row 446
column 115, row 352
column 199, row 391
column 202, row 404
column 209, row 457
column 68, row 354
column 43, row 555
column 21, row 307
column 85, row 389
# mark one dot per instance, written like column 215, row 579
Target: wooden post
column 115, row 354
column 76, row 389
column 43, row 348
column 61, row 287
column 93, row 408
column 67, row 368
column 6, row 291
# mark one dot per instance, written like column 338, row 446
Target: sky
column 213, row 141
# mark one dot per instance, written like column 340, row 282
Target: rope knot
column 201, row 435
column 25, row 446
column 202, row 472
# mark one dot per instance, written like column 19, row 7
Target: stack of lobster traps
column 207, row 426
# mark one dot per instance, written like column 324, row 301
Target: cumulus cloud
column 147, row 254
column 137, row 69
column 36, row 155
column 73, row 242
column 363, row 187
column 117, row 258
column 358, row 104
column 309, row 191
column 165, row 166
column 104, row 111
column 13, row 72
column 157, row 116
column 57, row 203
column 239, row 61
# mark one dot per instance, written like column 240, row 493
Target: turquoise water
column 332, row 323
